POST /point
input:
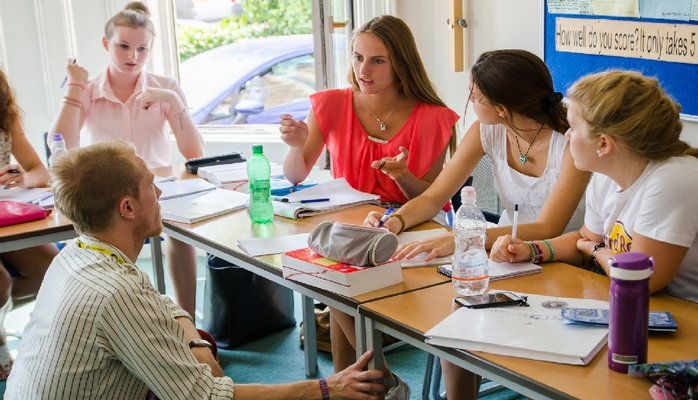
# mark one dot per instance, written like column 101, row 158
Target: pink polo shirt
column 107, row 118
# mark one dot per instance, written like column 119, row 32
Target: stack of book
column 310, row 268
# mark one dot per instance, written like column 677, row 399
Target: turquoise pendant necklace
column 524, row 157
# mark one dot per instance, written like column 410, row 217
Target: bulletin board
column 679, row 79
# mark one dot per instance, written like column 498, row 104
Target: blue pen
column 385, row 216
column 65, row 79
column 315, row 200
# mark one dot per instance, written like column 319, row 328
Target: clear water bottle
column 470, row 275
column 57, row 148
column 259, row 174
column 629, row 310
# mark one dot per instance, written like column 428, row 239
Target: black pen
column 303, row 201
column 12, row 171
column 65, row 79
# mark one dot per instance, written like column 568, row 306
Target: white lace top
column 528, row 192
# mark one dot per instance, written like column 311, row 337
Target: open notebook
column 501, row 270
column 338, row 191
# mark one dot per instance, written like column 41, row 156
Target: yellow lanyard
column 99, row 249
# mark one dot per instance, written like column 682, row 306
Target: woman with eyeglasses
column 520, row 126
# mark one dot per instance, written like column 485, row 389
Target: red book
column 308, row 267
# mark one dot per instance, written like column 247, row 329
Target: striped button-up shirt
column 100, row 330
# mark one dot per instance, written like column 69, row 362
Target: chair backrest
column 487, row 197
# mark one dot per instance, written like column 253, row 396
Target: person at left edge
column 100, row 330
column 388, row 134
column 21, row 271
column 125, row 102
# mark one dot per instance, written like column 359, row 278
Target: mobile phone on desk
column 490, row 300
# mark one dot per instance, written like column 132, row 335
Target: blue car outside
column 251, row 81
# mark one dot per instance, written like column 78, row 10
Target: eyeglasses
column 673, row 385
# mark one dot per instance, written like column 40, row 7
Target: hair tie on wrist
column 402, row 221
column 80, row 85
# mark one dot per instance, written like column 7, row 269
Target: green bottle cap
column 257, row 149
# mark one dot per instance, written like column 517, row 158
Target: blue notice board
column 680, row 80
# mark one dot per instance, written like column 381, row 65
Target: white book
column 185, row 187
column 200, row 206
column 338, row 193
column 310, row 268
column 536, row 332
column 229, row 173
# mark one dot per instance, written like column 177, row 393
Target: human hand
column 12, row 175
column 374, row 219
column 503, row 250
column 355, row 383
column 150, row 96
column 436, row 246
column 394, row 167
column 586, row 246
column 76, row 73
column 293, row 133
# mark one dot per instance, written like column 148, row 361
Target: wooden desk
column 219, row 236
column 51, row 229
column 408, row 316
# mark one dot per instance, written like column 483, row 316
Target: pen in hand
column 12, row 171
column 65, row 79
column 515, row 223
column 385, row 216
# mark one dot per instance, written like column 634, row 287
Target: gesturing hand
column 394, row 167
column 151, row 96
column 293, row 133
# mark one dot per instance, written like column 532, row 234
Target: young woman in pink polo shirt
column 125, row 102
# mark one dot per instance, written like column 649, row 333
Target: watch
column 200, row 343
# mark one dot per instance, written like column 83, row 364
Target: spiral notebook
column 500, row 270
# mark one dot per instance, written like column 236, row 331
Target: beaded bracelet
column 324, row 390
column 80, row 85
column 592, row 260
column 402, row 221
column 539, row 253
column 552, row 252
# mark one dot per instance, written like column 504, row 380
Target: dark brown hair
column 520, row 81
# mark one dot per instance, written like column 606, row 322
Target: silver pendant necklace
column 381, row 122
column 524, row 157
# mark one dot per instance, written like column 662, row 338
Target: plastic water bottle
column 629, row 310
column 57, row 148
column 470, row 274
column 259, row 174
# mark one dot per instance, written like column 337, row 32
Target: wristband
column 550, row 247
column 402, row 221
column 324, row 390
column 80, row 85
column 592, row 260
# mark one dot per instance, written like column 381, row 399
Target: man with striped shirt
column 100, row 330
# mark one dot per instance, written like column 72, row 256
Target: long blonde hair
column 412, row 77
column 634, row 109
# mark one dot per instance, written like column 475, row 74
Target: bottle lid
column 632, row 266
column 257, row 149
column 467, row 194
column 57, row 137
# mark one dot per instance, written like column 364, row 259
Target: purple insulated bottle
column 629, row 312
